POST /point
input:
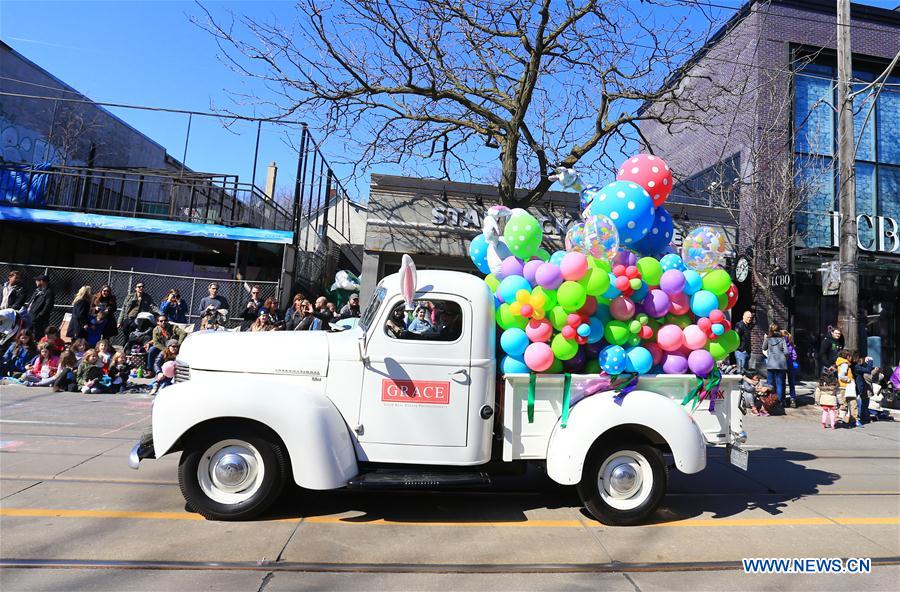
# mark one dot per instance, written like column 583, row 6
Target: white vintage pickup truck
column 378, row 406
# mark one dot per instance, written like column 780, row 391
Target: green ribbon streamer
column 531, row 380
column 567, row 384
column 694, row 394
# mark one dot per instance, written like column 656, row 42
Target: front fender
column 312, row 429
column 590, row 418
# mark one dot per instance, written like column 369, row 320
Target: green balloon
column 550, row 295
column 592, row 367
column 558, row 317
column 717, row 281
column 523, row 235
column 600, row 264
column 616, row 333
column 507, row 320
column 543, row 254
column 723, row 301
column 564, row 349
column 680, row 320
column 571, row 296
column 730, row 340
column 718, row 351
column 595, row 282
column 555, row 368
column 650, row 270
column 492, row 282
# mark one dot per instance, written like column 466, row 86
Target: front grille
column 182, row 372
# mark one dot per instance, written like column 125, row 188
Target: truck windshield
column 371, row 311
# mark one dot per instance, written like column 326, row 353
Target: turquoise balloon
column 511, row 365
column 612, row 291
column 596, row 326
column 703, row 303
column 514, row 341
column 692, row 282
column 510, row 286
column 638, row 359
column 478, row 253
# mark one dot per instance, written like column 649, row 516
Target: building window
column 888, row 118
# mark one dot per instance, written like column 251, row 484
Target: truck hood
column 296, row 353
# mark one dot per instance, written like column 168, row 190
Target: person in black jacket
column 831, row 347
column 136, row 303
column 40, row 305
column 744, row 330
column 81, row 314
column 12, row 294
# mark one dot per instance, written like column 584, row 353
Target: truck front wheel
column 233, row 478
column 623, row 483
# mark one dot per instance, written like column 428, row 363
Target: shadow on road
column 776, row 477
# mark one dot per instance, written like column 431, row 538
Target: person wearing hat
column 164, row 333
column 165, row 372
column 40, row 305
column 351, row 309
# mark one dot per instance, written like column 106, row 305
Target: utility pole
column 848, row 296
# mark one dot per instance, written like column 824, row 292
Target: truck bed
column 524, row 440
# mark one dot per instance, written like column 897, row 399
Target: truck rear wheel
column 231, row 478
column 623, row 483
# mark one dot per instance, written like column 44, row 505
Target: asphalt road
column 67, row 496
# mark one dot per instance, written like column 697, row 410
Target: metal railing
column 66, row 281
column 142, row 193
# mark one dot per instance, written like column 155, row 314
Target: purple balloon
column 530, row 269
column 548, row 276
column 625, row 257
column 701, row 362
column 576, row 363
column 593, row 349
column 675, row 364
column 672, row 282
column 510, row 266
column 656, row 303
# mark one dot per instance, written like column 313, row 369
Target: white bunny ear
column 408, row 280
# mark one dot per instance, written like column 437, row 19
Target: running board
column 399, row 479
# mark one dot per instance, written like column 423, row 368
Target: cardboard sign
column 425, row 392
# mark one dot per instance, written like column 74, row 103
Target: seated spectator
column 263, row 323
column 169, row 355
column 289, row 312
column 214, row 300
column 138, row 302
column 332, row 310
column 174, row 308
column 65, row 374
column 43, row 369
column 119, row 373
column 255, row 298
column 96, row 328
column 321, row 304
column 751, row 388
column 51, row 336
column 420, row 323
column 104, row 353
column 351, row 309
column 250, row 314
column 88, row 376
column 305, row 318
column 162, row 333
column 78, row 347
column 18, row 355
column 270, row 306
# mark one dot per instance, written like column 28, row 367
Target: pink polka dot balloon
column 650, row 172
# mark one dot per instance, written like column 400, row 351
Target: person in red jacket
column 42, row 370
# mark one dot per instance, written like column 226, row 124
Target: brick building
column 772, row 70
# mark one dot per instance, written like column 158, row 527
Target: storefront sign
column 885, row 230
column 780, row 279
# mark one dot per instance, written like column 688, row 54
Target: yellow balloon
column 538, row 300
column 523, row 296
column 515, row 308
column 538, row 314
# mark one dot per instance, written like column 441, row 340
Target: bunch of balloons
column 620, row 298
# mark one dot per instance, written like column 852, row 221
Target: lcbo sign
column 886, row 236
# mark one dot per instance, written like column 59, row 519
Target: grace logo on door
column 426, row 392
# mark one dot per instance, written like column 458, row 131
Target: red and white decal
column 425, row 392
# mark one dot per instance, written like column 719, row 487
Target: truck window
column 369, row 314
column 431, row 320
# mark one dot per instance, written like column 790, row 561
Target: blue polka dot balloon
column 613, row 359
column 660, row 235
column 630, row 208
column 557, row 257
column 478, row 253
column 672, row 261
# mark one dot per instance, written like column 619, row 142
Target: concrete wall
column 35, row 130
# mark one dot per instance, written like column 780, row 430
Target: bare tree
column 74, row 133
column 526, row 84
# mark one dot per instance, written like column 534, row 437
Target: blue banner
column 102, row 222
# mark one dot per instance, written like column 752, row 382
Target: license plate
column 738, row 456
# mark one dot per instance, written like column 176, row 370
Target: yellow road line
column 361, row 520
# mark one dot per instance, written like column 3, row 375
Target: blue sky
column 149, row 53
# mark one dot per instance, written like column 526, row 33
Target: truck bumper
column 143, row 449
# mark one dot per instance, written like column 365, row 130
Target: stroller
column 890, row 390
column 136, row 341
column 12, row 322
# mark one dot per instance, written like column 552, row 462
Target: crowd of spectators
column 83, row 359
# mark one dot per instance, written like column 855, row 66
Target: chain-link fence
column 66, row 281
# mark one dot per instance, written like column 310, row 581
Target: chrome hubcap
column 230, row 470
column 623, row 480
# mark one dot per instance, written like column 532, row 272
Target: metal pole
column 256, row 155
column 848, row 295
column 187, row 138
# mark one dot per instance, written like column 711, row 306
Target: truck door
column 417, row 380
